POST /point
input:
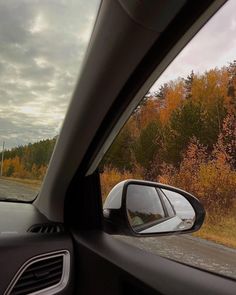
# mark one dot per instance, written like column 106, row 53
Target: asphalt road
column 190, row 250
column 15, row 190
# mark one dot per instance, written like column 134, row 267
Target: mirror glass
column 154, row 210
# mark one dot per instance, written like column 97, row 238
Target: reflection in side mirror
column 155, row 210
column 139, row 208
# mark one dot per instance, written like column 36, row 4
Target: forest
column 29, row 161
column 184, row 135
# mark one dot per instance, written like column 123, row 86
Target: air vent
column 42, row 275
column 46, row 228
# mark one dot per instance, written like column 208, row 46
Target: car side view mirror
column 137, row 207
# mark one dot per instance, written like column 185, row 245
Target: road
column 190, row 250
column 15, row 190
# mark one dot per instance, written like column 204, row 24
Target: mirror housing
column 133, row 208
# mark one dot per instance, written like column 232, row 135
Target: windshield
column 42, row 45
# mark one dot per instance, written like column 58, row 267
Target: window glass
column 42, row 45
column 144, row 205
column 181, row 206
column 168, row 206
column 183, row 134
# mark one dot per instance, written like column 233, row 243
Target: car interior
column 60, row 243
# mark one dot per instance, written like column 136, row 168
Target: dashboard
column 28, row 243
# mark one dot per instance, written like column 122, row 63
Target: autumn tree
column 226, row 143
column 120, row 153
column 188, row 82
column 146, row 146
column 232, row 85
column 162, row 91
column 185, row 123
column 174, row 99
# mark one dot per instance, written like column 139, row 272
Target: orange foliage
column 148, row 113
column 211, row 86
column 212, row 180
column 110, row 177
column 15, row 168
column 173, row 99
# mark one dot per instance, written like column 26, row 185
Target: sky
column 213, row 46
column 181, row 205
column 42, row 45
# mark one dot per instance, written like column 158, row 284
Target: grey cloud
column 214, row 46
column 35, row 73
column 15, row 17
column 42, row 44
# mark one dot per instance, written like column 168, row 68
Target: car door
column 131, row 44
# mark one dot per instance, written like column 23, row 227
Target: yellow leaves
column 12, row 167
column 15, row 167
column 42, row 171
column 211, row 86
column 148, row 113
column 218, row 185
column 174, row 98
column 110, row 177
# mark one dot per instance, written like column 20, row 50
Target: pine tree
column 188, row 82
column 232, row 84
column 161, row 94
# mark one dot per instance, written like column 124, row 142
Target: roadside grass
column 221, row 230
column 29, row 182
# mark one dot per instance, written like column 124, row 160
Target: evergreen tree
column 146, row 146
column 232, row 84
column 120, row 153
column 185, row 123
column 188, row 82
column 161, row 94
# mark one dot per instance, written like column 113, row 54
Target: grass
column 221, row 230
column 29, row 182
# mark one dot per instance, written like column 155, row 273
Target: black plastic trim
column 190, row 12
column 119, row 264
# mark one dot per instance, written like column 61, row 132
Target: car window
column 42, row 46
column 144, row 206
column 183, row 133
column 167, row 204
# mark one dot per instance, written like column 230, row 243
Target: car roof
column 126, row 54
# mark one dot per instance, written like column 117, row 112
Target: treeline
column 184, row 135
column 28, row 161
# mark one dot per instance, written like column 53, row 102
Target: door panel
column 109, row 266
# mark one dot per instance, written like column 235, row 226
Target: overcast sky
column 213, row 46
column 42, row 44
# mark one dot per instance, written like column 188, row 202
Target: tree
column 161, row 94
column 188, row 82
column 10, row 170
column 226, row 143
column 29, row 160
column 232, row 85
column 174, row 98
column 146, row 146
column 212, row 117
column 185, row 123
column 120, row 153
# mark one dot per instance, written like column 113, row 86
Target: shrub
column 110, row 177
